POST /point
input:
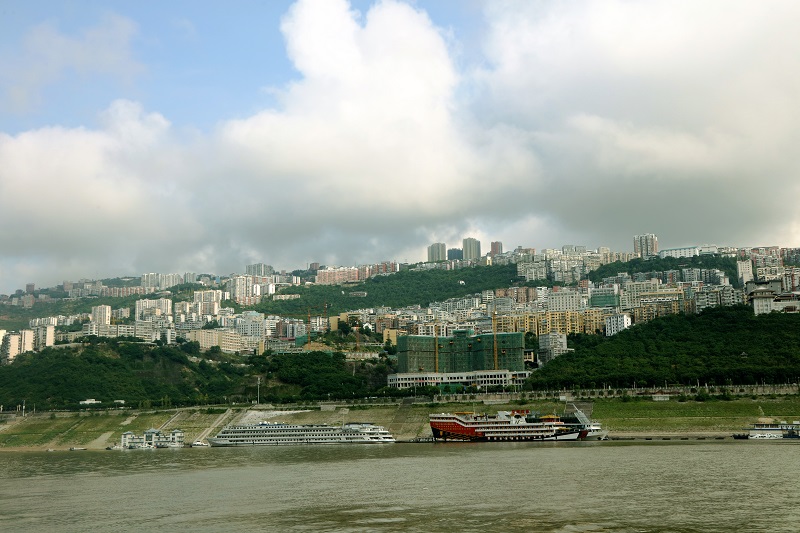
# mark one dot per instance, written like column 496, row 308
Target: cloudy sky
column 203, row 136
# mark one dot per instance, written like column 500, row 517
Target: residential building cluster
column 470, row 251
column 340, row 275
column 570, row 304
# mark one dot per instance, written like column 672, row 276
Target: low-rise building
column 152, row 438
column 478, row 378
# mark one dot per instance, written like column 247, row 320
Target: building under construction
column 461, row 352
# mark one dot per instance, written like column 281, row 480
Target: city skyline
column 196, row 136
column 262, row 269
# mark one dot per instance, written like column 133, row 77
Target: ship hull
column 505, row 426
column 449, row 435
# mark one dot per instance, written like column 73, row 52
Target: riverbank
column 625, row 419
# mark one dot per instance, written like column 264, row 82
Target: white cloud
column 48, row 55
column 677, row 116
column 366, row 158
column 586, row 123
column 371, row 131
column 82, row 197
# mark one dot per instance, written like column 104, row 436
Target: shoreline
column 626, row 436
column 625, row 421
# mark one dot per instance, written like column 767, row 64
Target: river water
column 560, row 487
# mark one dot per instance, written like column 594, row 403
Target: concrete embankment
column 42, row 431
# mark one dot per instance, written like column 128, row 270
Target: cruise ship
column 771, row 430
column 502, row 427
column 278, row 434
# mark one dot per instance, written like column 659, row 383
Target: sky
column 204, row 136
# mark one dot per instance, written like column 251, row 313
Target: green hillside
column 408, row 287
column 396, row 290
column 111, row 370
column 18, row 317
column 656, row 264
column 147, row 376
column 728, row 345
column 720, row 347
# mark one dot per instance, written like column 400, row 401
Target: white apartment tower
column 160, row 281
column 44, row 336
column 101, row 315
column 564, row 300
column 645, row 246
column 471, row 248
column 259, row 269
column 10, row 347
column 160, row 307
column 208, row 302
column 616, row 323
column 437, row 252
column 744, row 271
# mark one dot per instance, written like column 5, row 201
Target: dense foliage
column 396, row 290
column 144, row 375
column 727, row 345
column 110, row 370
column 656, row 264
column 322, row 376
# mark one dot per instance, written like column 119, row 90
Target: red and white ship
column 503, row 427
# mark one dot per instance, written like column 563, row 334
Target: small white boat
column 199, row 444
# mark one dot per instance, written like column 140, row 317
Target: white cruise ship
column 277, row 434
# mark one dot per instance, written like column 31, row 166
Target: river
column 554, row 487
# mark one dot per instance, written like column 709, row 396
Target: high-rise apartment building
column 10, row 347
column 208, row 302
column 497, row 248
column 101, row 315
column 44, row 336
column 645, row 246
column 744, row 271
column 259, row 269
column 616, row 323
column 437, row 252
column 160, row 307
column 160, row 281
column 471, row 248
column 455, row 254
column 245, row 290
